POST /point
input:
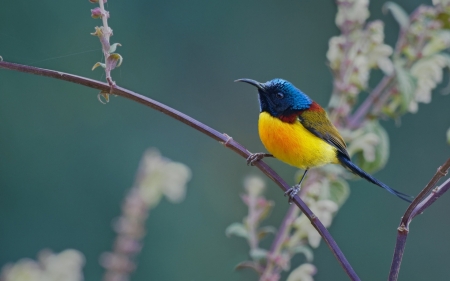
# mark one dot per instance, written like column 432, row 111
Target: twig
column 431, row 198
column 104, row 15
column 281, row 237
column 112, row 60
column 441, row 172
column 107, row 32
column 362, row 111
column 271, row 268
column 420, row 203
column 230, row 143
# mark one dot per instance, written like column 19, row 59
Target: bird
column 296, row 130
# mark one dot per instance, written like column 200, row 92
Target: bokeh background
column 66, row 160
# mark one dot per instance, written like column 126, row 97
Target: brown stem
column 431, row 198
column 104, row 40
column 282, row 235
column 441, row 172
column 363, row 110
column 223, row 138
column 271, row 268
column 252, row 221
column 355, row 120
column 420, row 203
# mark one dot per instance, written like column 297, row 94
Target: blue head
column 279, row 97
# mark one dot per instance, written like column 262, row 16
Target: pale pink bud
column 96, row 13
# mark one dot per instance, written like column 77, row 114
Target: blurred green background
column 66, row 160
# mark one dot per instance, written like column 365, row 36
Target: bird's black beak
column 257, row 84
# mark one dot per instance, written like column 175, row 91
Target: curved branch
column 424, row 200
column 441, row 171
column 226, row 140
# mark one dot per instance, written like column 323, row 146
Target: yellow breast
column 293, row 143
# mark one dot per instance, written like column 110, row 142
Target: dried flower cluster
column 323, row 194
column 157, row 177
column 353, row 54
column 411, row 71
column 67, row 265
column 112, row 59
column 421, row 57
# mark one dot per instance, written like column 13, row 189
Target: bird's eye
column 279, row 95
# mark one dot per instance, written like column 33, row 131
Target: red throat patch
column 289, row 118
column 315, row 107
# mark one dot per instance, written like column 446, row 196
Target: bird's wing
column 317, row 122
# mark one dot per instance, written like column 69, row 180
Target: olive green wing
column 318, row 123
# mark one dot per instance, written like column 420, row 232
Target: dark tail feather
column 347, row 163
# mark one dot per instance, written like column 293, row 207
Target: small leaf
column 263, row 231
column 114, row 60
column 266, row 210
column 98, row 64
column 339, row 191
column 258, row 254
column 444, row 19
column 407, row 85
column 439, row 41
column 1, row 58
column 250, row 264
column 448, row 136
column 105, row 95
column 96, row 13
column 305, row 250
column 381, row 149
column 236, row 229
column 98, row 31
column 399, row 14
column 304, row 272
column 113, row 47
column 446, row 89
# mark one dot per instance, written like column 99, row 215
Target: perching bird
column 296, row 130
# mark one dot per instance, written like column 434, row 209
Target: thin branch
column 431, row 198
column 441, row 172
column 223, row 138
column 104, row 15
column 104, row 33
column 362, row 111
column 420, row 203
column 283, row 232
column 280, row 239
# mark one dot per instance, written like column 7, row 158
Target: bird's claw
column 291, row 192
column 255, row 157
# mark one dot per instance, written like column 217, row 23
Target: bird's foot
column 291, row 192
column 256, row 157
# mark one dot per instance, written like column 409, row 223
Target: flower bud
column 96, row 13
